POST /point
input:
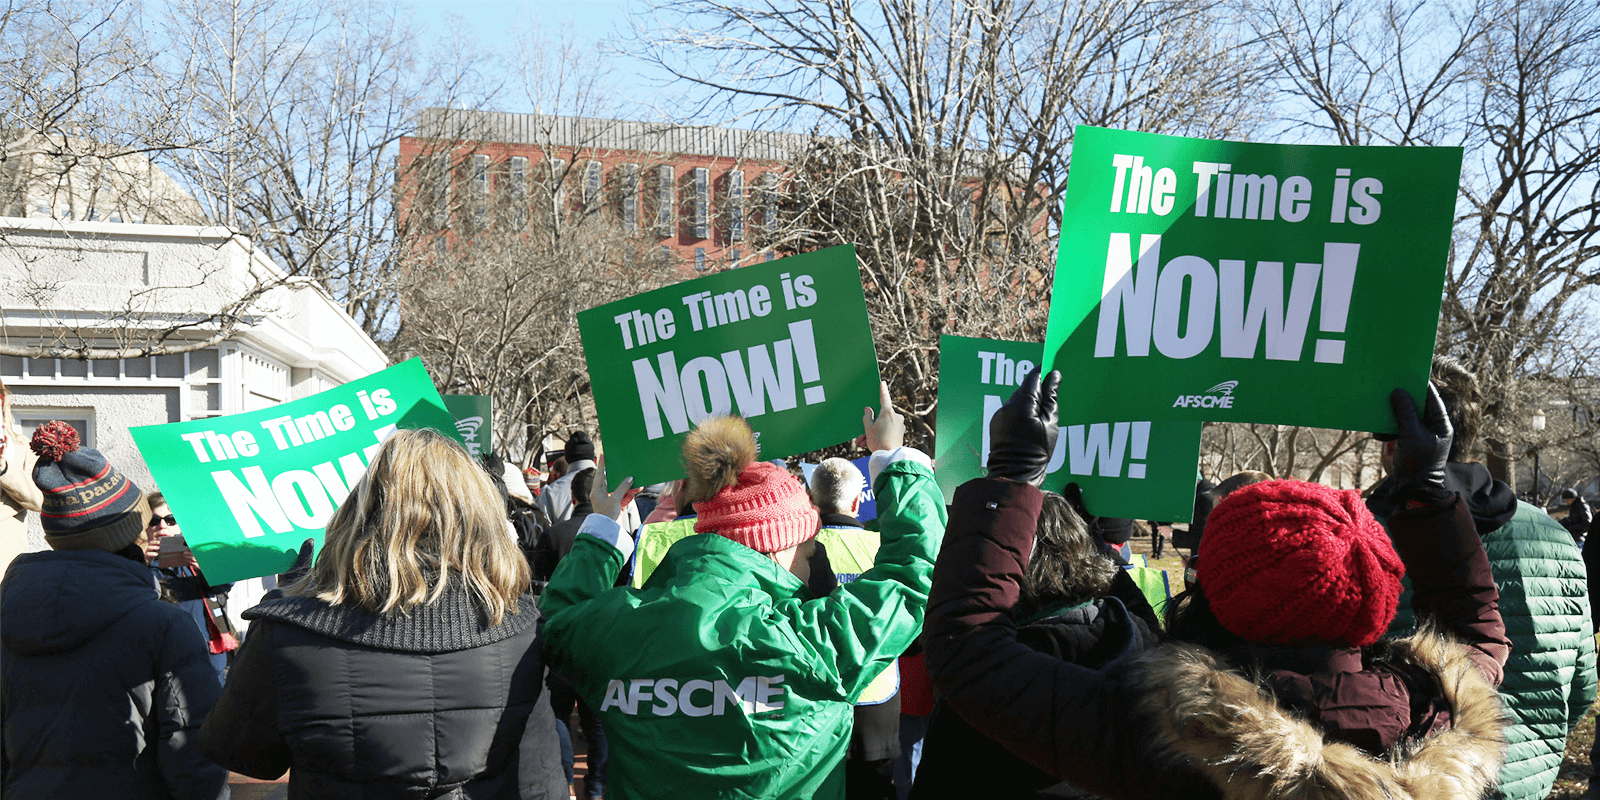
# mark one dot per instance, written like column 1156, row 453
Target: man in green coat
column 1544, row 600
column 722, row 676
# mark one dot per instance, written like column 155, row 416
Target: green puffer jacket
column 1544, row 600
column 721, row 677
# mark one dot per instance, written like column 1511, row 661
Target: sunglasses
column 169, row 520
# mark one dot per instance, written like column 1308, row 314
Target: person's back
column 556, row 499
column 366, row 705
column 1544, row 599
column 1579, row 515
column 735, row 682
column 105, row 685
column 1278, row 683
column 407, row 663
column 1550, row 676
column 1077, row 606
column 556, row 541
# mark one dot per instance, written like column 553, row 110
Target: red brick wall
column 717, row 244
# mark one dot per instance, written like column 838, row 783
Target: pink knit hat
column 766, row 510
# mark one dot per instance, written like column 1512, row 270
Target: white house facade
column 93, row 282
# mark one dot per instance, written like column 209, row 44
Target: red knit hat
column 766, row 510
column 1290, row 562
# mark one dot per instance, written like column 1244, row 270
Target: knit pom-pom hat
column 758, row 505
column 1296, row 563
column 766, row 510
column 88, row 504
column 714, row 454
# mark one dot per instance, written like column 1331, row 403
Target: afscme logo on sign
column 664, row 697
column 1219, row 396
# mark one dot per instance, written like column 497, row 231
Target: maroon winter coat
column 1409, row 718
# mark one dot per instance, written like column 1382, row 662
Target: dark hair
column 495, row 467
column 1458, row 388
column 582, row 485
column 1067, row 566
column 1190, row 619
column 1239, row 480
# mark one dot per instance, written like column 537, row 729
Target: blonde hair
column 423, row 515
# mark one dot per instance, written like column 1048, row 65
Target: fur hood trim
column 714, row 454
column 1218, row 721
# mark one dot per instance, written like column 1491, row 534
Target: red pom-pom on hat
column 54, row 440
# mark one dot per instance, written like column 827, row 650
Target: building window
column 699, row 259
column 769, row 202
column 554, row 185
column 439, row 167
column 702, row 202
column 964, row 214
column 734, row 257
column 480, row 190
column 630, row 198
column 517, row 192
column 79, row 419
column 480, row 174
column 771, row 255
column 736, row 206
column 591, row 187
column 995, row 231
column 665, row 200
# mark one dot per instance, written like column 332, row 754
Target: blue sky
column 493, row 23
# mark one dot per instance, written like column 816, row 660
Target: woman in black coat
column 406, row 664
column 1278, row 683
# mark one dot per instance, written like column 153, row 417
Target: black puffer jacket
column 104, row 685
column 434, row 703
column 959, row 762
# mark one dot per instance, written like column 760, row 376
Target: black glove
column 301, row 565
column 1424, row 444
column 1073, row 494
column 1421, row 451
column 1022, row 434
column 1108, row 532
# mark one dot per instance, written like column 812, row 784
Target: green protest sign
column 1144, row 470
column 1287, row 284
column 474, row 415
column 785, row 344
column 249, row 488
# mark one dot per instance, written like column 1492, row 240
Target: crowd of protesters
column 743, row 634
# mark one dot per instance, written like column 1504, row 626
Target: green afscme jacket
column 722, row 677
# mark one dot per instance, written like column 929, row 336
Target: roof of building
column 611, row 134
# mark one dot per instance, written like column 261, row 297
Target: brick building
column 700, row 194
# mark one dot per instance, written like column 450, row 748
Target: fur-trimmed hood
column 1225, row 726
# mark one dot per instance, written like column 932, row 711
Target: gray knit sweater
column 455, row 622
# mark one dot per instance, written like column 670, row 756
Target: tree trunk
column 1497, row 456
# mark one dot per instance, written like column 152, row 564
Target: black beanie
column 578, row 447
column 1113, row 530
